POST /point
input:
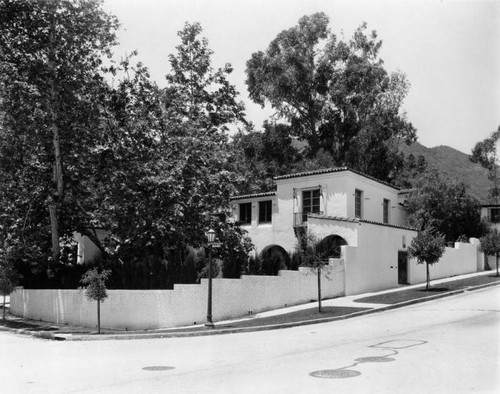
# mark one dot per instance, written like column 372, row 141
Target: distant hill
column 455, row 164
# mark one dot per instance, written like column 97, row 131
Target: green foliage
column 427, row 247
column 412, row 171
column 52, row 84
column 445, row 205
column 8, row 277
column 485, row 153
column 95, row 284
column 195, row 91
column 253, row 266
column 234, row 250
column 490, row 244
column 336, row 95
column 273, row 259
column 312, row 251
column 315, row 254
column 260, row 156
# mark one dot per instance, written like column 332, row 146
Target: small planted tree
column 95, row 289
column 8, row 280
column 490, row 244
column 427, row 247
column 314, row 255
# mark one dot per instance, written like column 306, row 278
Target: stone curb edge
column 222, row 331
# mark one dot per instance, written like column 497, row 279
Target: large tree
column 485, row 153
column 165, row 163
column 51, row 85
column 260, row 156
column 445, row 205
column 335, row 94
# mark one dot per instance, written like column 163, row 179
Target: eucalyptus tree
column 485, row 153
column 52, row 85
column 336, row 95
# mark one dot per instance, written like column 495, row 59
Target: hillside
column 455, row 164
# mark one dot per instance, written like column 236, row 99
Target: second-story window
column 358, row 203
column 310, row 202
column 246, row 213
column 265, row 211
column 386, row 211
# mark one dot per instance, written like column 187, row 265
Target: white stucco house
column 363, row 215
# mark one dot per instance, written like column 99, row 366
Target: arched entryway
column 331, row 246
column 273, row 258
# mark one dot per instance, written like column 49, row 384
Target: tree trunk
column 4, row 302
column 54, row 231
column 58, row 173
column 319, row 290
column 428, row 277
column 497, row 264
column 98, row 316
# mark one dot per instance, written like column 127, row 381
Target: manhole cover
column 335, row 373
column 374, row 359
column 158, row 368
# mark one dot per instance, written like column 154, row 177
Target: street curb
column 236, row 330
column 36, row 334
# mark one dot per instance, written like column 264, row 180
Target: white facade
column 335, row 191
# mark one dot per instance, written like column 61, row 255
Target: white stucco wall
column 321, row 228
column 462, row 259
column 375, row 262
column 184, row 305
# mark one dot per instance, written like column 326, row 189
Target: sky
column 448, row 49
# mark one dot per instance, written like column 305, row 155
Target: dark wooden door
column 403, row 268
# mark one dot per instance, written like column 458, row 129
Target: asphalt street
column 450, row 345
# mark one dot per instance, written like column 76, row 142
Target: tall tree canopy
column 485, row 153
column 165, row 164
column 79, row 153
column 51, row 85
column 446, row 206
column 335, row 94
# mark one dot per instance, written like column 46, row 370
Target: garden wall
column 184, row 305
column 462, row 259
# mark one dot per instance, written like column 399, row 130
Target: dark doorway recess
column 403, row 268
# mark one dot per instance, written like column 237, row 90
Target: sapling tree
column 313, row 254
column 95, row 289
column 490, row 244
column 427, row 247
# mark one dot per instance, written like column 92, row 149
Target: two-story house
column 338, row 195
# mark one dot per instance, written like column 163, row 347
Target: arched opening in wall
column 330, row 246
column 273, row 258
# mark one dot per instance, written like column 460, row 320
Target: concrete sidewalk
column 332, row 309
